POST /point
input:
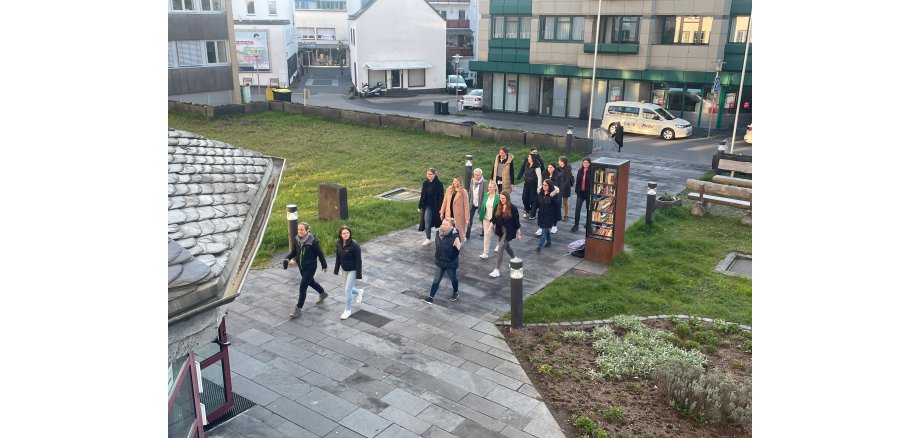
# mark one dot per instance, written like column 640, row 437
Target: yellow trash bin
column 269, row 93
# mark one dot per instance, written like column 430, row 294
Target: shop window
column 686, row 30
column 417, row 77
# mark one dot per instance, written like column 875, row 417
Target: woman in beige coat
column 456, row 206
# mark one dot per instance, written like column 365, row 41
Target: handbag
column 421, row 221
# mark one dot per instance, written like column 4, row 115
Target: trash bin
column 445, row 108
column 245, row 93
column 282, row 94
column 437, row 107
column 269, row 96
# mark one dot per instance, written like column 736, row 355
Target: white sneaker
column 496, row 249
column 538, row 232
column 483, row 256
column 360, row 296
column 494, row 273
column 426, row 242
column 553, row 230
column 346, row 314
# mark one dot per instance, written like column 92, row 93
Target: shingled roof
column 219, row 199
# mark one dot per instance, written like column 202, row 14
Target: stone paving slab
column 403, row 367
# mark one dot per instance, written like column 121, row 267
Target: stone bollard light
column 650, row 200
column 292, row 225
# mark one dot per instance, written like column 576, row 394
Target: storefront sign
column 252, row 50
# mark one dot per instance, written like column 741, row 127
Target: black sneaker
column 574, row 228
column 428, row 300
column 455, row 296
column 539, row 249
column 548, row 244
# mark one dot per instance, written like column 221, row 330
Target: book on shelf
column 599, row 176
column 603, row 232
column 610, row 190
column 604, row 204
column 612, row 177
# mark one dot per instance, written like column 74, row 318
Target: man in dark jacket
column 582, row 191
column 446, row 258
column 305, row 253
column 618, row 136
column 430, row 201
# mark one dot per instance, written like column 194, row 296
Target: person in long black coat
column 430, row 201
column 547, row 206
column 305, row 253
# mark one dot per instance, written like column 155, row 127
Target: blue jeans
column 544, row 237
column 469, row 224
column 350, row 289
column 439, row 274
column 429, row 216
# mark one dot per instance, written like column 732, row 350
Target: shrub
column 726, row 327
column 712, row 396
column 682, row 330
column 575, row 334
column 614, row 414
column 639, row 352
column 589, row 427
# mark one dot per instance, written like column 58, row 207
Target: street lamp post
column 715, row 97
column 256, row 66
column 597, row 35
column 457, row 71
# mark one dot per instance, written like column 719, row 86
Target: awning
column 397, row 65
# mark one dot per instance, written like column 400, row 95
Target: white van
column 644, row 118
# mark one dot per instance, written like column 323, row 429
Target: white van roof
column 651, row 106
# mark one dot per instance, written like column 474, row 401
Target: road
column 328, row 88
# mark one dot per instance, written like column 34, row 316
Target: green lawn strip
column 668, row 270
column 367, row 160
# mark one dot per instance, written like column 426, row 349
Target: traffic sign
column 715, row 85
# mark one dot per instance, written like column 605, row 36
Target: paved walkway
column 399, row 367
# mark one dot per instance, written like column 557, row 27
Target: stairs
column 399, row 92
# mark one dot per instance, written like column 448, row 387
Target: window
column 325, row 33
column 324, row 5
column 172, row 55
column 272, row 8
column 562, row 28
column 306, row 33
column 462, row 14
column 212, row 5
column 619, row 30
column 251, row 7
column 183, row 5
column 417, row 77
column 217, row 52
column 190, row 53
column 443, row 14
column 739, row 29
column 511, row 27
column 686, row 30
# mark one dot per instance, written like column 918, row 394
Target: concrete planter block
column 503, row 136
column 226, row 110
column 449, row 129
column 255, row 107
column 543, row 140
column 323, row 112
column 293, row 108
column 361, row 118
column 276, row 106
column 402, row 122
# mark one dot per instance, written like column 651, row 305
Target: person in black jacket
column 507, row 225
column 306, row 250
column 447, row 250
column 566, row 181
column 348, row 257
column 430, row 201
column 582, row 191
column 548, row 207
column 532, row 172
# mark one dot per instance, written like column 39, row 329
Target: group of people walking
column 547, row 188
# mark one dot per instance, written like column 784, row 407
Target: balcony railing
column 462, row 51
column 458, row 24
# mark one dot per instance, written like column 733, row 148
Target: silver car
column 473, row 99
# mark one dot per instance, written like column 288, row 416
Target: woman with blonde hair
column 456, row 206
column 486, row 210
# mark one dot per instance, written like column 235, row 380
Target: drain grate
column 401, row 194
column 736, row 264
column 213, row 397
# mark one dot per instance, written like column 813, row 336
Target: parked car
column 644, row 118
column 748, row 135
column 455, row 82
column 473, row 99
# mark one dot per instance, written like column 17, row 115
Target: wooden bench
column 728, row 194
column 730, row 165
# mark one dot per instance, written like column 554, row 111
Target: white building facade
column 266, row 42
column 408, row 53
column 322, row 32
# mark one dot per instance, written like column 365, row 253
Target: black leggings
column 306, row 280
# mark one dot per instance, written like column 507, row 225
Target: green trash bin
column 282, row 94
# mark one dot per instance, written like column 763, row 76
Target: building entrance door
column 395, row 79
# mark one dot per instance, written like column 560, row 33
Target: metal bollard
column 517, row 293
column 469, row 171
column 292, row 225
column 568, row 137
column 650, row 200
column 718, row 155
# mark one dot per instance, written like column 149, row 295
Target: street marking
column 700, row 148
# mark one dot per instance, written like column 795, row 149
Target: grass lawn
column 366, row 160
column 666, row 270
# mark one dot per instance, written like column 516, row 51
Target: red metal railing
column 462, row 51
column 458, row 24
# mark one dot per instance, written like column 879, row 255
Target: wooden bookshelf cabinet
column 606, row 209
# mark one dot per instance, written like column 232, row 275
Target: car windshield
column 476, row 93
column 664, row 114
